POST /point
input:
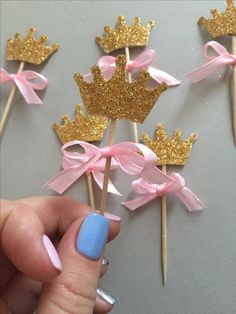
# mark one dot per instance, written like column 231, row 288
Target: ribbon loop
column 223, row 58
column 25, row 84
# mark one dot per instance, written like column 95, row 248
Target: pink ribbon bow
column 150, row 191
column 126, row 154
column 222, row 59
column 141, row 62
column 97, row 171
column 23, row 82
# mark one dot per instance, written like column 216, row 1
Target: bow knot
column 106, row 152
column 150, row 190
column 25, row 84
column 141, row 62
column 75, row 164
column 215, row 62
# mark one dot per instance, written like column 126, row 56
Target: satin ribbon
column 141, row 62
column 175, row 185
column 222, row 59
column 25, row 85
column 126, row 154
column 97, row 171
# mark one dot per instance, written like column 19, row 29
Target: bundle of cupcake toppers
column 117, row 88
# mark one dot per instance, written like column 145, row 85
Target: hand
column 30, row 230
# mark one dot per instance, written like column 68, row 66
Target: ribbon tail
column 161, row 76
column 155, row 175
column 27, row 92
column 206, row 70
column 190, row 200
column 139, row 201
column 99, row 177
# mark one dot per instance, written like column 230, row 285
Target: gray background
column 202, row 250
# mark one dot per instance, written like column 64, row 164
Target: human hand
column 33, row 276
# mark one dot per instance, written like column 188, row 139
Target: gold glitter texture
column 124, row 35
column 117, row 98
column 169, row 151
column 29, row 49
column 221, row 23
column 89, row 129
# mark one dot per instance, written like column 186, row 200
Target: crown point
column 137, row 21
column 121, row 20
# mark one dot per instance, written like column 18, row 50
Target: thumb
column 80, row 250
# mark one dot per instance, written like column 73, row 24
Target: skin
column 29, row 281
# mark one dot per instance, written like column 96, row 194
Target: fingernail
column 92, row 236
column 106, row 296
column 105, row 261
column 52, row 253
column 112, row 217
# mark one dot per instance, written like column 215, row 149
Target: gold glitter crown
column 89, row 129
column 29, row 49
column 221, row 23
column 169, row 151
column 117, row 98
column 124, row 35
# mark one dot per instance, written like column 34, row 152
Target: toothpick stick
column 103, row 201
column 129, row 76
column 164, row 234
column 10, row 101
column 90, row 190
column 234, row 89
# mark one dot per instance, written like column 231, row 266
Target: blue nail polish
column 92, row 236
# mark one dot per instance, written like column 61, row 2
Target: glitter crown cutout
column 117, row 98
column 221, row 23
column 89, row 129
column 29, row 49
column 124, row 35
column 170, row 151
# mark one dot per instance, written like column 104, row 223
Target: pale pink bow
column 126, row 154
column 223, row 58
column 175, row 185
column 25, row 85
column 97, row 171
column 141, row 62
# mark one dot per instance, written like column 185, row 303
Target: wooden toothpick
column 164, row 261
column 129, row 76
column 10, row 101
column 234, row 89
column 103, row 201
column 90, row 190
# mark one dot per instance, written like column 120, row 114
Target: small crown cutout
column 89, row 129
column 29, row 49
column 169, row 151
column 117, row 98
column 221, row 23
column 124, row 35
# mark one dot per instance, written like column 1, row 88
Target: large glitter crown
column 221, row 23
column 29, row 49
column 89, row 129
column 117, row 98
column 124, row 35
column 170, row 151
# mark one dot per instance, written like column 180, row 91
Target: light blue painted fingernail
column 92, row 236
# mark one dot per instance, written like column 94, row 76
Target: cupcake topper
column 169, row 151
column 84, row 128
column 117, row 98
column 219, row 25
column 25, row 50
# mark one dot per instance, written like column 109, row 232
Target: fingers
column 80, row 250
column 22, row 295
column 29, row 247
